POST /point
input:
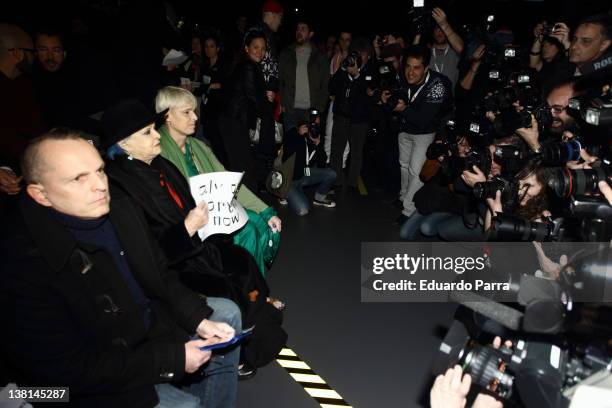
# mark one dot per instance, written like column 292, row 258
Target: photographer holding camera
column 446, row 47
column 558, row 101
column 530, row 203
column 437, row 202
column 304, row 143
column 548, row 55
column 479, row 166
column 352, row 110
column 385, row 123
column 427, row 98
column 451, row 389
column 590, row 45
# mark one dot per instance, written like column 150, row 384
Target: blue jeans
column 172, row 397
column 427, row 224
column 298, row 202
column 216, row 383
column 455, row 230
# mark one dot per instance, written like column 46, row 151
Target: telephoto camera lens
column 566, row 182
column 510, row 229
column 560, row 153
column 487, row 366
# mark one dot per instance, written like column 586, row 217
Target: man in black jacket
column 352, row 110
column 427, row 100
column 304, row 77
column 309, row 169
column 88, row 302
column 272, row 17
column 590, row 46
column 70, row 88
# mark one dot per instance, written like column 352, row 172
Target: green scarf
column 256, row 236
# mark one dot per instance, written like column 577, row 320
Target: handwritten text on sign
column 225, row 214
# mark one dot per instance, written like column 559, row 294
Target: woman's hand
column 495, row 205
column 551, row 268
column 470, row 178
column 561, row 33
column 538, row 31
column 275, row 223
column 197, row 218
column 588, row 160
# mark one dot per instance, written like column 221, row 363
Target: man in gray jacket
column 304, row 75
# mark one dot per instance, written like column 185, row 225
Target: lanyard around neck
column 418, row 90
column 311, row 155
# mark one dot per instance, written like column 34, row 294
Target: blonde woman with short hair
column 260, row 235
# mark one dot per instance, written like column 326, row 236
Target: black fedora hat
column 126, row 118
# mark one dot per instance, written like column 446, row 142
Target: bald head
column 35, row 160
column 15, row 50
column 66, row 173
column 11, row 35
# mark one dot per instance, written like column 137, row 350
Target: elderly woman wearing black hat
column 215, row 267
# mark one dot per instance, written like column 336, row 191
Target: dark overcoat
column 69, row 319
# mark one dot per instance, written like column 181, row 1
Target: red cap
column 272, row 6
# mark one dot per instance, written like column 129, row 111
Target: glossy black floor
column 372, row 354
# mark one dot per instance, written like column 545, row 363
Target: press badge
column 307, row 171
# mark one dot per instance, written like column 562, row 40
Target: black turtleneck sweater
column 101, row 233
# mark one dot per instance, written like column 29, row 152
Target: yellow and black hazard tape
column 312, row 383
column 363, row 190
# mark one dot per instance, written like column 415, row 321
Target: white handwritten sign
column 225, row 214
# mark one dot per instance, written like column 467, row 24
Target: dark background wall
column 126, row 36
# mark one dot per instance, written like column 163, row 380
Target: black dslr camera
column 479, row 157
column 548, row 29
column 559, row 330
column 313, row 127
column 420, row 18
column 596, row 112
column 352, row 60
column 488, row 189
column 508, row 119
column 447, row 145
column 387, row 82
